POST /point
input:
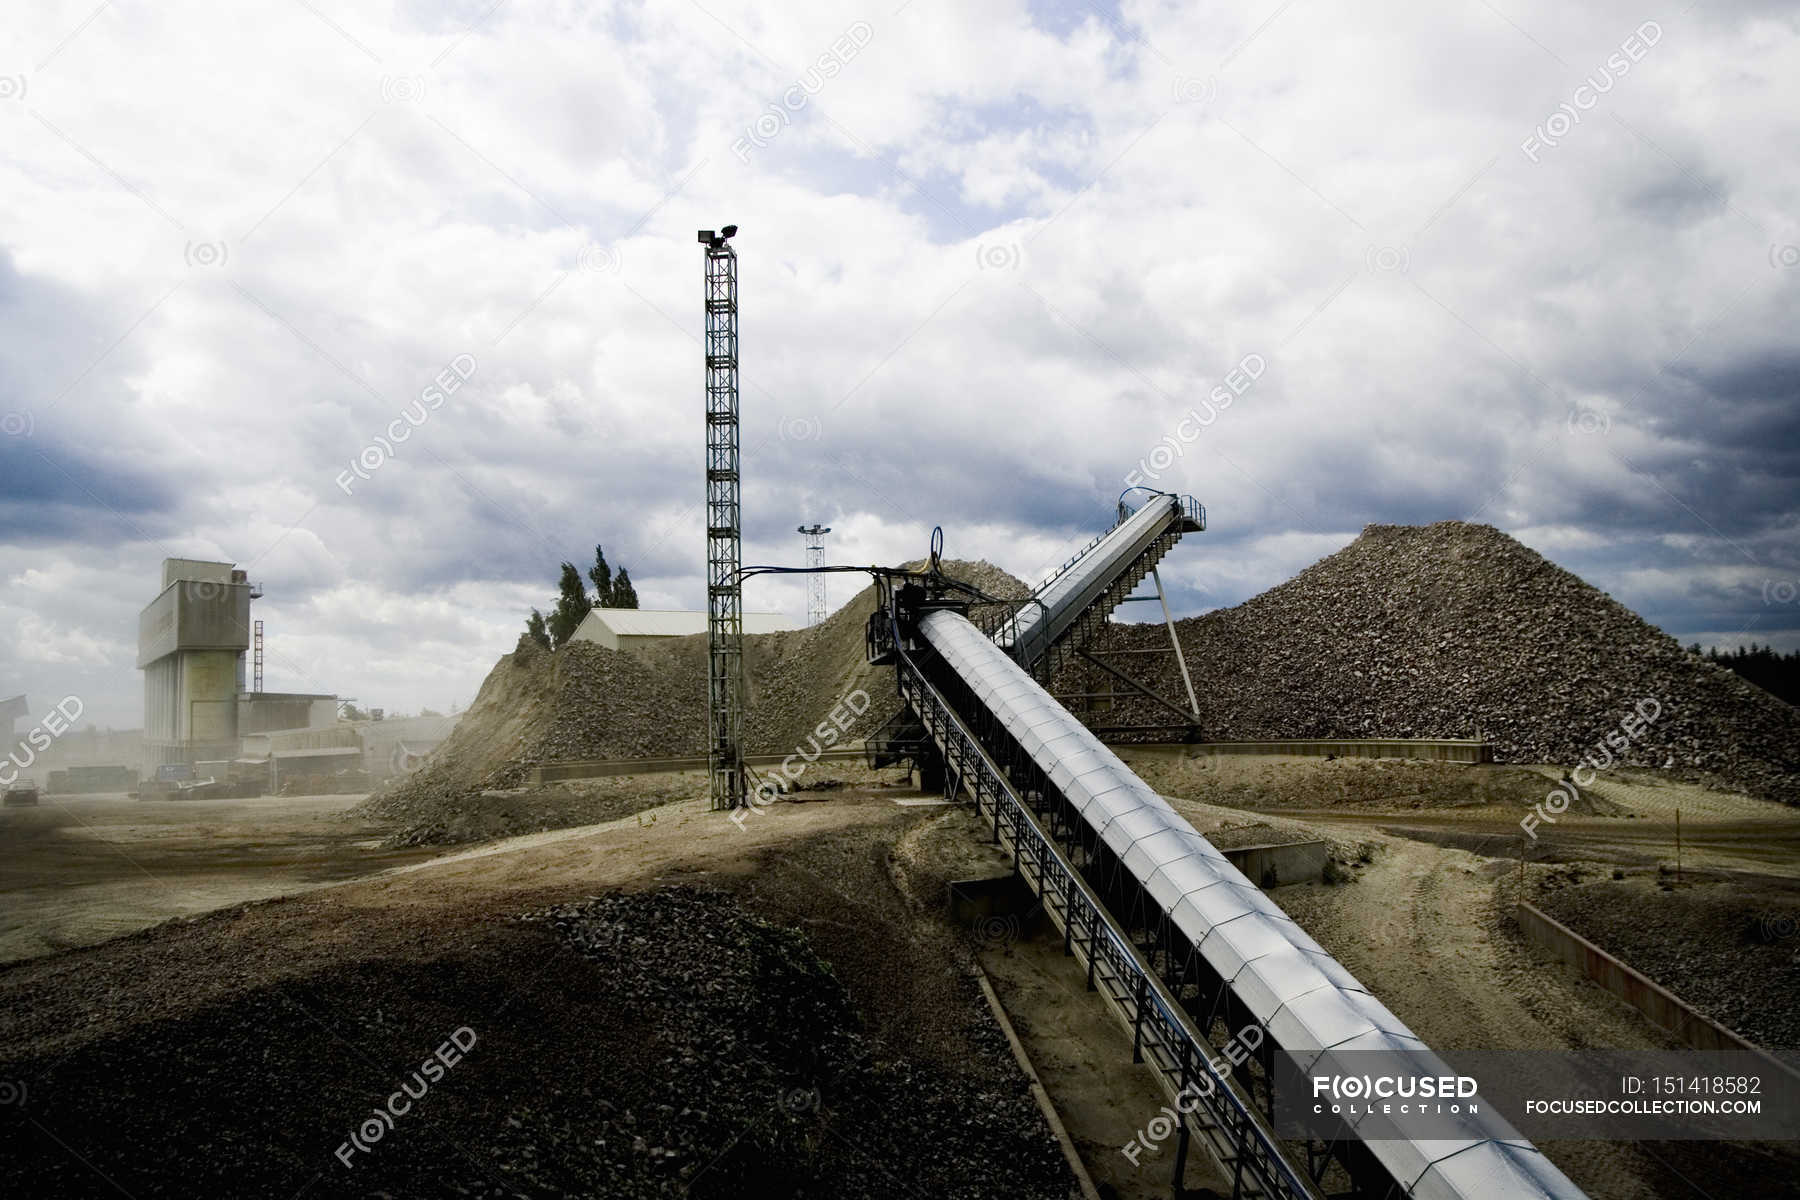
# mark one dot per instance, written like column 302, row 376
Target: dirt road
column 1424, row 928
column 1767, row 844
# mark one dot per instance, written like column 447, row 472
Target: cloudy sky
column 1521, row 262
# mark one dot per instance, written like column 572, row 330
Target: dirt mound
column 1457, row 630
column 796, row 678
column 486, row 815
column 585, row 701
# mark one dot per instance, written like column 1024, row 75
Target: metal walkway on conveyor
column 1068, row 609
column 1185, row 949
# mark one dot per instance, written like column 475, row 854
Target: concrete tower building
column 191, row 644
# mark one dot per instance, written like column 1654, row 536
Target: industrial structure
column 11, row 709
column 724, row 528
column 635, row 628
column 817, row 601
column 191, row 644
column 1187, row 951
column 198, row 705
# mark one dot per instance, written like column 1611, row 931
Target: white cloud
column 985, row 269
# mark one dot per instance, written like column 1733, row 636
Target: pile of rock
column 1726, row 946
column 1457, row 630
column 756, row 1076
column 585, row 701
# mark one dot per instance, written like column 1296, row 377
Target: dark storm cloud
column 64, row 477
column 51, row 492
column 1676, row 197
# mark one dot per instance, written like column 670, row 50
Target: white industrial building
column 626, row 628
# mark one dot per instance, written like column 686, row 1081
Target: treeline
column 1773, row 672
column 573, row 602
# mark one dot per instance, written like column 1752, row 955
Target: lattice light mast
column 816, row 600
column 724, row 528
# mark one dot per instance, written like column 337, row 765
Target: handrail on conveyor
column 1264, row 1156
column 1009, row 624
column 1080, row 554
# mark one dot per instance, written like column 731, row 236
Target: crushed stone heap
column 1458, row 630
column 585, row 701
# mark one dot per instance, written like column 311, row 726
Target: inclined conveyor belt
column 1053, row 609
column 1308, row 1004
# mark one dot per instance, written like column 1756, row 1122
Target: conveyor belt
column 1070, row 605
column 1214, row 932
column 1162, row 1033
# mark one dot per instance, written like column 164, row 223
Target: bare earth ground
column 81, row 869
column 1081, row 1054
column 359, row 976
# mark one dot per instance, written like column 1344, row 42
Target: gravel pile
column 487, row 815
column 1730, row 948
column 1457, row 630
column 664, row 1044
column 585, row 701
column 762, row 1079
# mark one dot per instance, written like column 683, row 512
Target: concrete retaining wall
column 1432, row 749
column 597, row 768
column 1661, row 1006
column 1273, row 865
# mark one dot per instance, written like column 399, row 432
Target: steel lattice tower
column 816, row 606
column 256, row 683
column 724, row 529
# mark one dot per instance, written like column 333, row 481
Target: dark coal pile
column 1731, row 948
column 1457, row 630
column 756, row 1078
column 662, row 1044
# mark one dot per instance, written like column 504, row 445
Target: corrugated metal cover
column 1494, row 1168
column 1309, row 1003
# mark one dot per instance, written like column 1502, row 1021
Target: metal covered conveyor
column 1163, row 1034
column 1069, row 607
column 1187, row 950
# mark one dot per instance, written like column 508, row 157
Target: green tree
column 623, row 594
column 572, row 604
column 536, row 630
column 602, row 576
